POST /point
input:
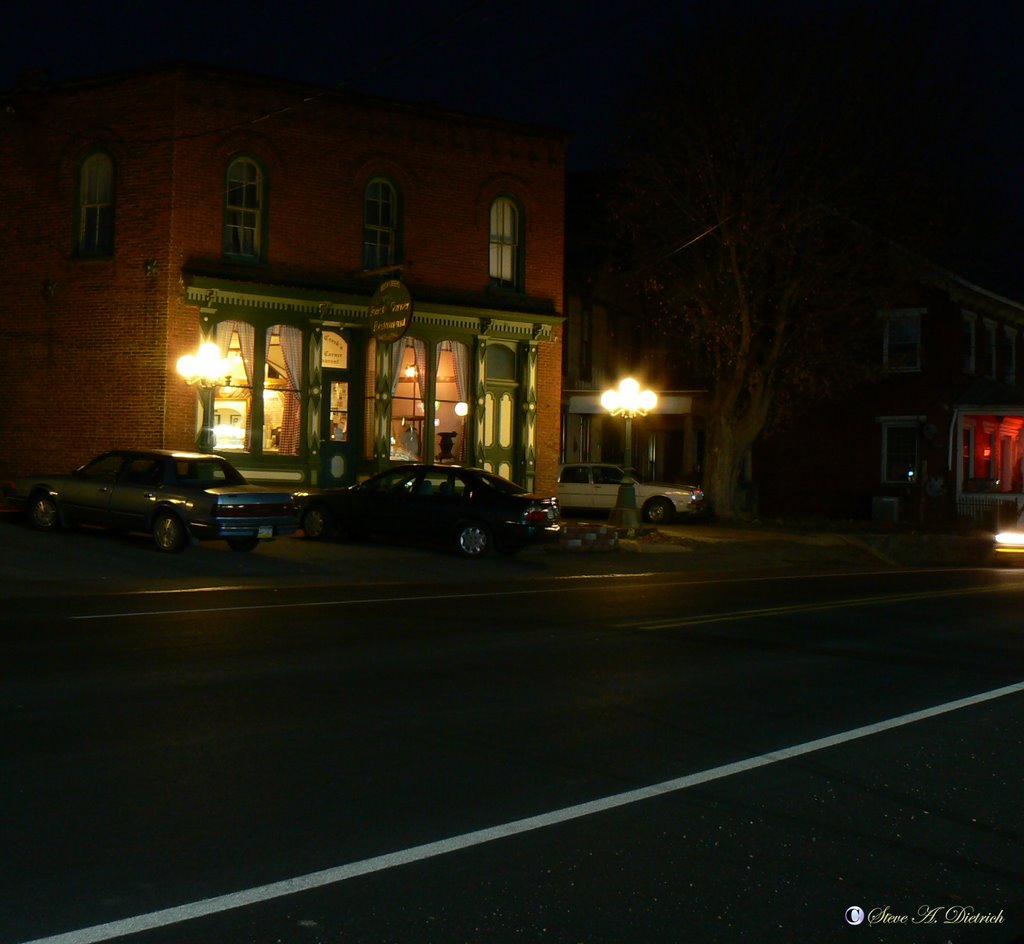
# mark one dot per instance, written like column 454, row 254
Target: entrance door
column 500, row 394
column 499, row 428
column 338, row 435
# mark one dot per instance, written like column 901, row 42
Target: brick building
column 937, row 435
column 145, row 213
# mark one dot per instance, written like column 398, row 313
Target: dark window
column 243, row 209
column 902, row 345
column 96, row 207
column 506, row 249
column 380, row 225
column 607, row 475
column 575, row 475
column 899, row 458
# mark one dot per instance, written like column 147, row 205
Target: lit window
column 233, row 400
column 408, row 408
column 96, row 207
column 451, row 400
column 902, row 340
column 380, row 225
column 243, row 209
column 282, row 391
column 505, row 265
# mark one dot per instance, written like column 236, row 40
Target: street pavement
column 33, row 563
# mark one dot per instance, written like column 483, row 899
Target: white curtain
column 247, row 343
column 291, row 351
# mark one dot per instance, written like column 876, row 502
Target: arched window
column 506, row 245
column 381, row 219
column 96, row 207
column 244, row 209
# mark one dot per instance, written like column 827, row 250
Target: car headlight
column 1010, row 541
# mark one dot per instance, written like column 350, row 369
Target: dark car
column 469, row 510
column 177, row 497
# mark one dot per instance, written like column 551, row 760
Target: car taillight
column 538, row 513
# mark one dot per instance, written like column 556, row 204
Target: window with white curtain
column 451, row 399
column 282, row 391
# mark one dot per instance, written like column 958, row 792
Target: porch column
column 528, row 422
column 314, row 400
column 479, row 455
column 382, row 407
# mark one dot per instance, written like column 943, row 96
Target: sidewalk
column 894, row 548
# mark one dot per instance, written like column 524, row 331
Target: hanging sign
column 390, row 311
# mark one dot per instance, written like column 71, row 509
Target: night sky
column 565, row 64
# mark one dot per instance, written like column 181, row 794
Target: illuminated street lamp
column 206, row 371
column 628, row 401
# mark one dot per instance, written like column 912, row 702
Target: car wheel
column 169, row 533
column 43, row 513
column 473, row 539
column 658, row 511
column 317, row 522
column 243, row 544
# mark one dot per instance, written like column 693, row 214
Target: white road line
column 302, row 883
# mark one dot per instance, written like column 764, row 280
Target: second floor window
column 380, row 225
column 990, row 349
column 902, row 341
column 505, row 245
column 969, row 342
column 243, row 209
column 1010, row 372
column 96, row 207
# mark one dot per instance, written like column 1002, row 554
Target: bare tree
column 770, row 175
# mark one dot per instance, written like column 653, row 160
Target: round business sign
column 390, row 311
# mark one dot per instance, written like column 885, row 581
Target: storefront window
column 276, row 380
column 282, row 386
column 233, row 400
column 408, row 383
column 451, row 384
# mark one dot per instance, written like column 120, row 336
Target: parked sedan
column 177, row 497
column 470, row 510
column 594, row 486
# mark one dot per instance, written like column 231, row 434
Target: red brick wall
column 93, row 365
column 82, row 341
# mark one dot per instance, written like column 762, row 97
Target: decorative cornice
column 353, row 311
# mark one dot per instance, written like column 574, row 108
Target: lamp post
column 205, row 371
column 627, row 401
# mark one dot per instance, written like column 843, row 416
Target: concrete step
column 588, row 536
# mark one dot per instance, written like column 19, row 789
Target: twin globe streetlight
column 207, row 370
column 627, row 401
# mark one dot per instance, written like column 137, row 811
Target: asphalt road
column 609, row 748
